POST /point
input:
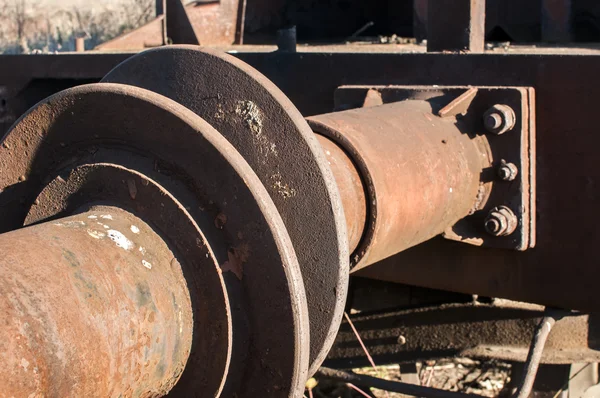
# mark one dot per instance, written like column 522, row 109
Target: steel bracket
column 515, row 147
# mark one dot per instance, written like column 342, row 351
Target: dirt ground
column 487, row 379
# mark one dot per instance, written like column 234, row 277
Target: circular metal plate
column 273, row 137
column 77, row 187
column 219, row 190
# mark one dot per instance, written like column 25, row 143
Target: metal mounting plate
column 516, row 146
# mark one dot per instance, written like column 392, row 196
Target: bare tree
column 20, row 17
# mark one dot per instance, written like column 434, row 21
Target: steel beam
column 455, row 25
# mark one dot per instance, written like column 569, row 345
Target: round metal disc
column 273, row 137
column 217, row 188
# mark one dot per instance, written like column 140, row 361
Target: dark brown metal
column 455, row 25
column 265, row 128
column 420, row 171
column 502, row 330
column 212, row 182
column 556, row 20
column 213, row 23
column 88, row 312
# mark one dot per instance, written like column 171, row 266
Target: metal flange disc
column 273, row 137
column 213, row 183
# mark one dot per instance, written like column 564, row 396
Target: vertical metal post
column 80, row 44
column 161, row 10
column 160, row 7
column 420, row 19
column 556, row 21
column 456, row 25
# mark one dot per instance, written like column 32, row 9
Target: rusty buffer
column 95, row 305
column 166, row 225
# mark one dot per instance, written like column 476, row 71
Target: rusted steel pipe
column 351, row 187
column 420, row 171
column 93, row 305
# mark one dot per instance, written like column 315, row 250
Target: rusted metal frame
column 562, row 217
column 455, row 25
column 534, row 357
column 564, row 106
column 95, row 304
column 502, row 330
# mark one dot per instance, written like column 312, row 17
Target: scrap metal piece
column 273, row 137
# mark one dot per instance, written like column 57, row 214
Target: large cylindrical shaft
column 352, row 190
column 420, row 171
column 92, row 305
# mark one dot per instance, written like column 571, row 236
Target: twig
column 392, row 386
column 360, row 340
column 430, row 376
column 564, row 386
column 361, row 392
column 361, row 30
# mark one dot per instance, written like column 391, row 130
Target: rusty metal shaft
column 93, row 305
column 420, row 174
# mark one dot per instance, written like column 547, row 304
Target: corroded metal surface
column 265, row 127
column 456, row 25
column 420, row 171
column 502, row 330
column 351, row 189
column 86, row 183
column 93, row 305
column 217, row 188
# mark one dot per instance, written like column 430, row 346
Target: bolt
column 501, row 221
column 499, row 119
column 507, row 171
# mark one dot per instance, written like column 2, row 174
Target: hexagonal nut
column 501, row 221
column 499, row 119
column 507, row 171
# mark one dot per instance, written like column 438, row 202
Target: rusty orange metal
column 420, row 171
column 352, row 190
column 93, row 305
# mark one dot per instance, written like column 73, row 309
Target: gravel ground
column 486, row 378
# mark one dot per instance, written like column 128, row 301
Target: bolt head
column 499, row 119
column 501, row 221
column 493, row 226
column 507, row 171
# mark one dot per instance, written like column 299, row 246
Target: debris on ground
column 485, row 378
